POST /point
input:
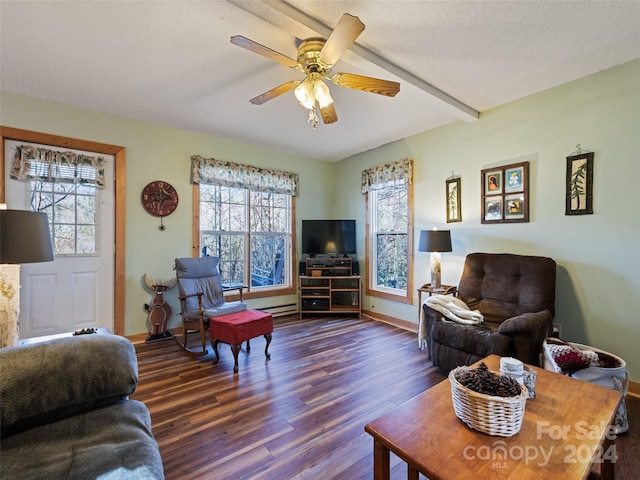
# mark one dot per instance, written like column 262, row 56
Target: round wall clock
column 159, row 198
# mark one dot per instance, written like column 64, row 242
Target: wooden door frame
column 9, row 133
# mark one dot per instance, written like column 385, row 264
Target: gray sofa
column 66, row 413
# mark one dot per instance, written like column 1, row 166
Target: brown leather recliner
column 516, row 295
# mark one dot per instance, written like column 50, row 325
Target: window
column 389, row 240
column 251, row 234
column 64, row 185
column 72, row 212
column 389, row 236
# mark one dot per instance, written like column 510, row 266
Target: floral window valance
column 36, row 163
column 230, row 174
column 394, row 173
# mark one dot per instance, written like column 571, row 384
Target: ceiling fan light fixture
column 322, row 93
column 316, row 57
column 304, row 94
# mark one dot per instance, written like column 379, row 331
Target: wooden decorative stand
column 159, row 310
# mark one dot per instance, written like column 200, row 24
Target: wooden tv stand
column 329, row 287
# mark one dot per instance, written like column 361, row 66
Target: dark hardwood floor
column 301, row 414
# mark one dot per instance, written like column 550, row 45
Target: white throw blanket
column 451, row 307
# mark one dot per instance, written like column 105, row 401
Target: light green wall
column 598, row 276
column 160, row 153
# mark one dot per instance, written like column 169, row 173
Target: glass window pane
column 232, row 258
column 221, row 220
column 64, row 239
column 256, row 198
column 36, row 186
column 69, row 188
column 207, row 193
column 86, row 239
column 236, row 216
column 391, row 260
column 87, row 210
column 230, row 250
column 268, row 258
column 268, row 212
column 385, row 253
column 280, row 220
column 64, row 210
column 84, row 189
column 41, row 201
column 236, row 195
column 207, row 216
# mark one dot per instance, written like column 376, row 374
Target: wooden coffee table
column 565, row 430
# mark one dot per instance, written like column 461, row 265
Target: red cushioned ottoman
column 236, row 328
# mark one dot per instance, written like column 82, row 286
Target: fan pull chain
column 313, row 118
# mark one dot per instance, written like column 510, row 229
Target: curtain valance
column 230, row 174
column 394, row 173
column 36, row 163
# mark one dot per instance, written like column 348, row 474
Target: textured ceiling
column 171, row 62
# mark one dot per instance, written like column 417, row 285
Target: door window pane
column 72, row 210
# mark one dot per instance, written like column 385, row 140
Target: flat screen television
column 328, row 237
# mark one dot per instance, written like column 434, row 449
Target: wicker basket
column 501, row 416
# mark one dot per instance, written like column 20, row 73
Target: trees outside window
column 251, row 233
column 389, row 241
column 72, row 212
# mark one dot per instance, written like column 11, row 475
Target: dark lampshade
column 435, row 241
column 24, row 237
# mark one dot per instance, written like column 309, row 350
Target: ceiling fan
column 316, row 57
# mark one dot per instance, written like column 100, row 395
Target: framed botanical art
column 505, row 194
column 579, row 194
column 454, row 207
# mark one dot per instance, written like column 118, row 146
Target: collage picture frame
column 505, row 194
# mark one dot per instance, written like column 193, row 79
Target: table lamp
column 435, row 241
column 24, row 238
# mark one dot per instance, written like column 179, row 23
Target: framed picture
column 454, row 207
column 492, row 209
column 505, row 194
column 514, row 206
column 493, row 182
column 513, row 179
column 579, row 194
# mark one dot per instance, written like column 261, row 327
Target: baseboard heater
column 282, row 310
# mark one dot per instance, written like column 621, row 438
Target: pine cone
column 482, row 380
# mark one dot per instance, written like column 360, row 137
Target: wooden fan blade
column 255, row 47
column 366, row 84
column 342, row 37
column 329, row 114
column 275, row 92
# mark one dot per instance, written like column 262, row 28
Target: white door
column 75, row 290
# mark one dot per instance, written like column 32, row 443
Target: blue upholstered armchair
column 201, row 297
